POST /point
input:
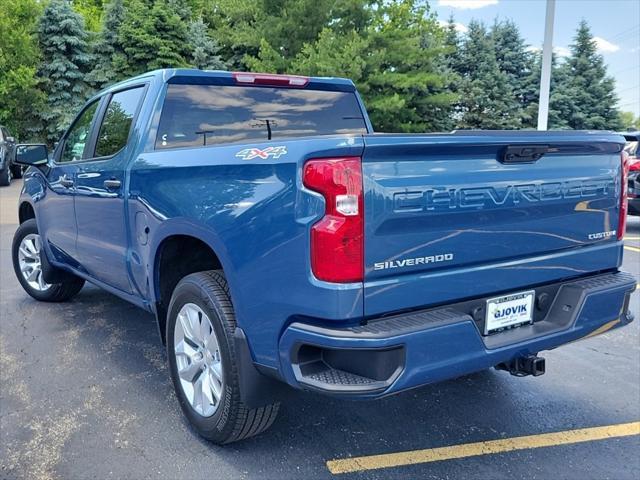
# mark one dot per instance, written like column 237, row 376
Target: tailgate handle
column 523, row 153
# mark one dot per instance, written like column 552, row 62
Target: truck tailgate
column 449, row 217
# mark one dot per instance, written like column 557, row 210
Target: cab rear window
column 200, row 115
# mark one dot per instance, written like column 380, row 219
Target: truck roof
column 223, row 77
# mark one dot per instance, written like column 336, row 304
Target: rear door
column 448, row 218
column 56, row 215
column 100, row 204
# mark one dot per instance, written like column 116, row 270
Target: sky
column 614, row 23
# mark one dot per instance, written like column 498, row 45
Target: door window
column 78, row 136
column 115, row 128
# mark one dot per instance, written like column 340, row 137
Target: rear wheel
column 27, row 264
column 203, row 362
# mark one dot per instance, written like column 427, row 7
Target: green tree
column 108, row 52
column 487, row 100
column 20, row 96
column 585, row 94
column 335, row 54
column 452, row 44
column 204, row 49
column 531, row 95
column 264, row 34
column 91, row 11
column 629, row 121
column 238, row 27
column 152, row 35
column 408, row 90
column 513, row 58
column 397, row 61
column 65, row 59
column 452, row 67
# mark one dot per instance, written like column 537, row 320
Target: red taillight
column 634, row 164
column 267, row 79
column 622, row 219
column 337, row 240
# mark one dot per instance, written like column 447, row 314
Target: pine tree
column 452, row 44
column 585, row 94
column 394, row 52
column 152, row 36
column 487, row 100
column 512, row 57
column 406, row 76
column 108, row 52
column 65, row 59
column 531, row 95
column 269, row 34
column 452, row 67
column 335, row 54
column 91, row 11
column 204, row 49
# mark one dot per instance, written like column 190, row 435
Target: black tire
column 232, row 420
column 5, row 176
column 16, row 170
column 57, row 292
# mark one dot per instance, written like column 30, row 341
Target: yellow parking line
column 627, row 237
column 358, row 464
column 633, row 249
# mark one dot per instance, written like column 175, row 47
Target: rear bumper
column 396, row 353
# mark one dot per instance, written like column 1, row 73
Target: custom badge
column 251, row 153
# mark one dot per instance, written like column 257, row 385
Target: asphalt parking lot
column 85, row 393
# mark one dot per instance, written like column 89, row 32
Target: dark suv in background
column 8, row 169
column 633, row 138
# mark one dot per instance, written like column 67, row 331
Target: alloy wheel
column 198, row 359
column 30, row 263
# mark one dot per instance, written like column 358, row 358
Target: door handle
column 112, row 184
column 66, row 182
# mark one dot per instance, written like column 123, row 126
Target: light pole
column 545, row 74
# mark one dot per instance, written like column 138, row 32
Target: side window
column 78, row 135
column 114, row 131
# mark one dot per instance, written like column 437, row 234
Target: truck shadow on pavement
column 121, row 342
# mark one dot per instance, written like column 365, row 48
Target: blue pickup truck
column 278, row 240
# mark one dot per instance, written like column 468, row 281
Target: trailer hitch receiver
column 523, row 366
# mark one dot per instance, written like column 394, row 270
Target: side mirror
column 11, row 140
column 32, row 154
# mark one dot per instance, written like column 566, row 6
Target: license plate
column 510, row 311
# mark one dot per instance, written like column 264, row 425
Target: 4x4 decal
column 251, row 153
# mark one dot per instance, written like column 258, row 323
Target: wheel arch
column 25, row 212
column 176, row 255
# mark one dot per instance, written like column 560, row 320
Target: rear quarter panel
column 255, row 215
